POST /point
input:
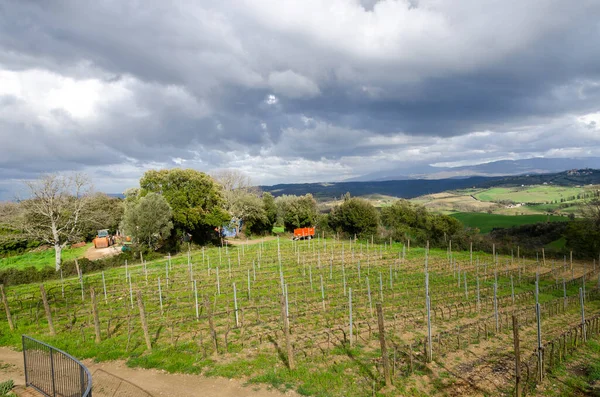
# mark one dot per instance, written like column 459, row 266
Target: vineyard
column 325, row 317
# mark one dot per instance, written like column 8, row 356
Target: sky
column 292, row 91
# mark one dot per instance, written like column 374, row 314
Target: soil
column 98, row 253
column 155, row 382
column 234, row 242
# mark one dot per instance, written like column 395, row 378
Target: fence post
column 384, row 353
column 25, row 360
column 518, row 387
column 52, row 372
column 143, row 319
column 47, row 309
column 11, row 325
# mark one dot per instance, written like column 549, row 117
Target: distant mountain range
column 538, row 165
column 418, row 187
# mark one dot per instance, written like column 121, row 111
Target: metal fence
column 53, row 372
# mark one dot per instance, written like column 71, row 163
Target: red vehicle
column 304, row 233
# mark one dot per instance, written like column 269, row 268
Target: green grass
column 534, row 194
column 41, row 258
column 486, row 222
column 558, row 244
column 278, row 229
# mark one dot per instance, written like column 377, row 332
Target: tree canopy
column 355, row 216
column 297, row 211
column 148, row 220
column 196, row 200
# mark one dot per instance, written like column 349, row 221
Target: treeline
column 176, row 206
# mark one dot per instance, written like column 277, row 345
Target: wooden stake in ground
column 286, row 331
column 583, row 333
column 518, row 387
column 95, row 314
column 211, row 324
column 350, row 313
column 384, row 354
column 47, row 309
column 11, row 325
column 540, row 356
column 143, row 319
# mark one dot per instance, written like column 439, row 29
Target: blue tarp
column 229, row 230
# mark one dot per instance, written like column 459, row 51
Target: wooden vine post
column 211, row 324
column 95, row 314
column 143, row 319
column 384, row 353
column 518, row 386
column 286, row 331
column 47, row 309
column 11, row 325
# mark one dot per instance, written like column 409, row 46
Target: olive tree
column 148, row 220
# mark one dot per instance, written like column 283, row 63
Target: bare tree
column 238, row 191
column 591, row 211
column 55, row 210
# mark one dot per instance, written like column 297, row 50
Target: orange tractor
column 103, row 239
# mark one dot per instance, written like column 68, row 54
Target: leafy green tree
column 297, row 211
column 405, row 219
column 148, row 220
column 270, row 211
column 355, row 216
column 196, row 200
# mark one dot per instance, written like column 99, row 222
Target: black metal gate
column 53, row 372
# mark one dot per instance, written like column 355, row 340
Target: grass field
column 40, row 259
column 488, row 200
column 533, row 194
column 223, row 312
column 278, row 229
column 486, row 222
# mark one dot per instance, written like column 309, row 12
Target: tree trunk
column 57, row 255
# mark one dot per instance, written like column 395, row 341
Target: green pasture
column 39, row 259
column 532, row 194
column 486, row 222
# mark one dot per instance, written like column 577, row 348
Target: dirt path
column 98, row 253
column 158, row 383
column 235, row 242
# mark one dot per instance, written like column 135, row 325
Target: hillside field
column 486, row 222
column 226, row 311
column 542, row 199
column 530, row 194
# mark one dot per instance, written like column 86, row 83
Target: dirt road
column 158, row 383
column 98, row 253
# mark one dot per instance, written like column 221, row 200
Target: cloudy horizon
column 291, row 91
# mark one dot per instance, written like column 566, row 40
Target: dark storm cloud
column 86, row 84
